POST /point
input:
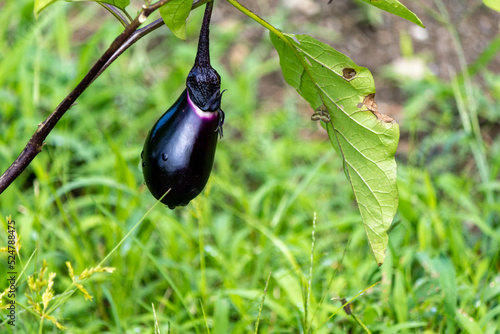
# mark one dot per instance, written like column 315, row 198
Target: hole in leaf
column 371, row 104
column 348, row 73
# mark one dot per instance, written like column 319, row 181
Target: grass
column 206, row 268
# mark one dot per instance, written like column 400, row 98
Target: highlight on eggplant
column 180, row 148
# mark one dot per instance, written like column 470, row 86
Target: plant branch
column 136, row 35
column 129, row 36
column 125, row 21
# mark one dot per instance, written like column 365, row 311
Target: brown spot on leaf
column 371, row 104
column 348, row 73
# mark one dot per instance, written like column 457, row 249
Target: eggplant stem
column 203, row 54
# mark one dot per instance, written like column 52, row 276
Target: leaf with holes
column 175, row 13
column 365, row 138
column 397, row 8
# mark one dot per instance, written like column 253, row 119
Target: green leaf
column 221, row 317
column 41, row 5
column 468, row 323
column 448, row 283
column 397, row 8
column 175, row 14
column 122, row 4
column 493, row 4
column 367, row 143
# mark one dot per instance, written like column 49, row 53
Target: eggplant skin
column 179, row 152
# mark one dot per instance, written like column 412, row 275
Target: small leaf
column 493, row 4
column 175, row 14
column 366, row 139
column 41, row 5
column 397, row 8
column 122, row 4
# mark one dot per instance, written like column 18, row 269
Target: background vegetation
column 205, row 267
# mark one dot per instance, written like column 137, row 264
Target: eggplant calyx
column 203, row 81
column 222, row 115
column 203, row 85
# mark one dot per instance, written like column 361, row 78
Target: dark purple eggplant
column 179, row 150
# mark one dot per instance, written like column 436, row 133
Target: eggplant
column 180, row 148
